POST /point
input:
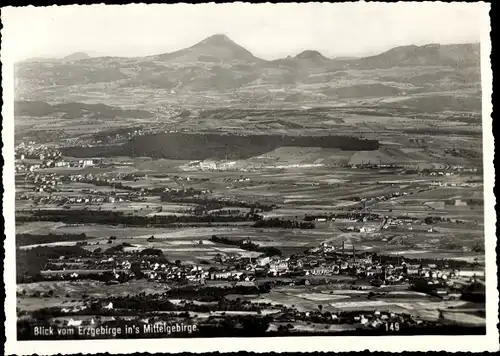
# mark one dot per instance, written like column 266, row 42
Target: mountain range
column 218, row 64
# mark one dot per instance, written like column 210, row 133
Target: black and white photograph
column 239, row 175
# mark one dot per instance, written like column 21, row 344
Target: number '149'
column 392, row 326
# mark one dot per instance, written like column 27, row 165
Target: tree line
column 31, row 239
column 285, row 224
column 83, row 216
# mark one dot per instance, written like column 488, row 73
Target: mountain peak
column 310, row 54
column 221, row 47
column 76, row 57
column 218, row 39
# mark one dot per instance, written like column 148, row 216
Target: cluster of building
column 32, row 150
column 236, row 180
column 51, row 182
column 31, row 157
column 209, row 165
column 366, row 202
column 455, row 184
column 75, row 199
column 48, row 182
column 370, row 165
column 120, row 266
column 42, row 182
column 444, row 170
column 24, row 165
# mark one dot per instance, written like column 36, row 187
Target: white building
column 278, row 266
column 86, row 162
column 263, row 261
column 72, row 322
column 62, row 164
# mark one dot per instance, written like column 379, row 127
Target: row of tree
column 31, row 239
column 285, row 224
column 83, row 216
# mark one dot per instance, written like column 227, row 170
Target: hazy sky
column 269, row 31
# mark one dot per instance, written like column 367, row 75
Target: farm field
column 412, row 236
